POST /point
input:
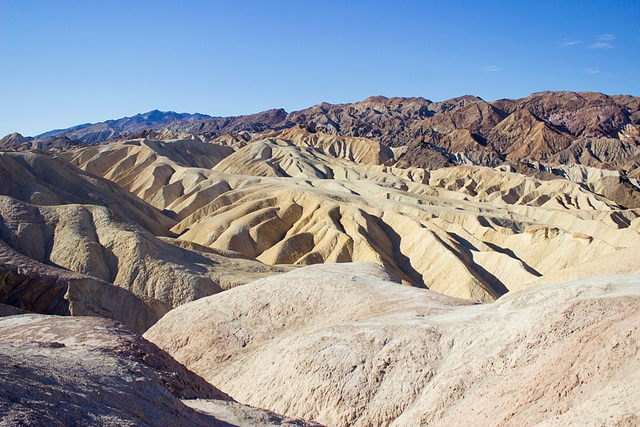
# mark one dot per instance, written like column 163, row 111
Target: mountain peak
column 12, row 140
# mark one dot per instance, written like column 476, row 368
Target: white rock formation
column 342, row 345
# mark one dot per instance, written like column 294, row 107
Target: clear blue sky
column 70, row 62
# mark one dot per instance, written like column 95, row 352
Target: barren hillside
column 393, row 261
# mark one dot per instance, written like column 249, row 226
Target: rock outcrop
column 13, row 140
column 30, row 286
column 343, row 345
column 67, row 371
column 559, row 128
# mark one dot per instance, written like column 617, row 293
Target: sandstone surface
column 343, row 345
column 30, row 286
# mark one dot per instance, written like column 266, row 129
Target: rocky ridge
column 301, row 198
column 173, row 221
column 543, row 127
column 113, row 129
column 54, row 216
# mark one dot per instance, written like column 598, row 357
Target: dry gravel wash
column 61, row 371
column 343, row 345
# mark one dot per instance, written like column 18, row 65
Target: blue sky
column 64, row 63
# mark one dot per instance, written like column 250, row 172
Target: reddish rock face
column 583, row 115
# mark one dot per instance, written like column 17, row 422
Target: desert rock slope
column 393, row 261
column 299, row 198
column 560, row 128
column 91, row 371
column 343, row 345
column 56, row 219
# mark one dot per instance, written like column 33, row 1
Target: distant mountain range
column 586, row 128
column 114, row 129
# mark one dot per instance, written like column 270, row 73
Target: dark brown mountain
column 524, row 135
column 215, row 126
column 583, row 114
column 391, row 121
column 555, row 127
column 457, row 126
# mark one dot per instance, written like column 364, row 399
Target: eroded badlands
column 320, row 275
